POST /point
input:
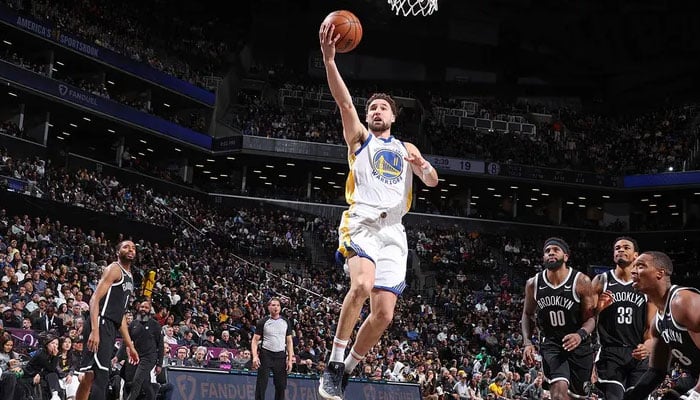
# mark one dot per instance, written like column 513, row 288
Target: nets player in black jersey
column 623, row 324
column 675, row 331
column 562, row 301
column 107, row 315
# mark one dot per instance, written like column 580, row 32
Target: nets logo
column 387, row 166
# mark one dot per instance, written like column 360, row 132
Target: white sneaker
column 55, row 396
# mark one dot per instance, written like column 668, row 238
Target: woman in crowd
column 66, row 367
column 10, row 367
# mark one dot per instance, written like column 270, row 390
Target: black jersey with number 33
column 558, row 307
column 622, row 324
column 683, row 349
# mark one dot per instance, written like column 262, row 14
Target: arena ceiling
column 613, row 48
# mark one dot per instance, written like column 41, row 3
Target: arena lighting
column 528, row 205
column 473, row 204
column 571, row 203
column 87, row 119
column 675, row 213
column 7, row 42
column 317, row 177
column 441, row 180
column 141, row 154
column 605, row 196
column 282, row 176
column 65, row 133
column 199, row 165
column 336, row 187
column 533, row 198
column 166, row 104
column 263, row 178
column 223, row 175
column 453, row 184
column 443, row 197
column 496, row 195
column 272, row 166
column 544, row 194
column 50, row 125
column 110, row 82
column 643, row 200
column 257, row 171
column 653, row 212
column 421, row 198
column 340, row 173
column 535, row 190
column 657, row 195
column 490, row 188
column 652, row 205
column 12, row 94
column 75, row 126
column 213, row 177
column 151, row 150
column 291, row 164
column 671, row 206
column 582, row 206
column 209, row 172
column 326, row 167
column 178, row 150
column 670, row 168
column 143, row 141
column 443, row 190
column 211, row 160
column 110, row 130
column 230, row 158
column 513, row 187
column 475, row 197
column 268, row 183
column 60, row 137
column 581, row 198
column 318, row 188
column 331, row 183
column 60, row 63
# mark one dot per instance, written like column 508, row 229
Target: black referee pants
column 277, row 363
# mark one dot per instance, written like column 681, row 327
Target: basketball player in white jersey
column 372, row 238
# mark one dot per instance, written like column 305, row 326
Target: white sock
column 338, row 351
column 352, row 360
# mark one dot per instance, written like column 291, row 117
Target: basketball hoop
column 413, row 7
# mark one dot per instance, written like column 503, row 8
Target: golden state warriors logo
column 387, row 166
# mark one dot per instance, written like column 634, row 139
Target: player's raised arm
column 354, row 131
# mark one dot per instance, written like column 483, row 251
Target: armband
column 583, row 333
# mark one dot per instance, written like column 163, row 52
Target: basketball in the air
column 348, row 26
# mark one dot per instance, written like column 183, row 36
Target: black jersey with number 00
column 622, row 324
column 558, row 307
column 683, row 349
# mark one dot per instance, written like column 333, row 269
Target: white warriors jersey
column 380, row 178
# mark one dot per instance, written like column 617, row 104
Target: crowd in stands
column 649, row 142
column 188, row 44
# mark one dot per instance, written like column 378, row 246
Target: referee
column 275, row 333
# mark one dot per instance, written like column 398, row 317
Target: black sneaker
column 330, row 386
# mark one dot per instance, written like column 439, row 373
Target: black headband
column 557, row 242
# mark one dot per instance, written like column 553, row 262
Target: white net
column 413, row 7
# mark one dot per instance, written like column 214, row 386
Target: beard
column 554, row 264
column 143, row 317
column 379, row 126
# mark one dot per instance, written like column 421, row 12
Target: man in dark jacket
column 145, row 333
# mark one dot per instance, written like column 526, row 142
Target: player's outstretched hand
column 328, row 39
column 133, row 355
column 571, row 341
